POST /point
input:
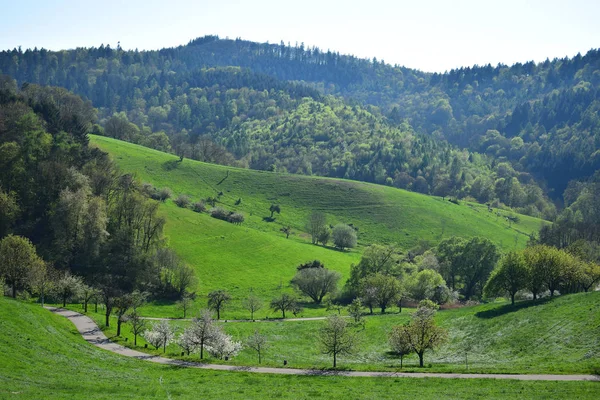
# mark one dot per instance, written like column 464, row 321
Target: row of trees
column 336, row 338
column 541, row 268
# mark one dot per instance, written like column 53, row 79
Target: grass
column 257, row 257
column 558, row 336
column 43, row 356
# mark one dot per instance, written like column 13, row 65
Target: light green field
column 559, row 336
column 44, row 357
column 256, row 256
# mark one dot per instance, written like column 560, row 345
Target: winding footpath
column 94, row 335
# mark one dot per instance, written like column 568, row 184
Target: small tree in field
column 422, row 333
column 257, row 342
column 87, row 294
column 285, row 302
column 344, row 236
column 336, row 339
column 201, row 331
column 161, row 335
column 138, row 325
column 68, row 286
column 399, row 343
column 316, row 225
column 355, row 310
column 275, row 208
column 222, row 345
column 217, row 299
column 252, row 303
column 186, row 302
column 287, row 231
column 324, row 236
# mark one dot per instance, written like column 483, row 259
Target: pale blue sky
column 428, row 35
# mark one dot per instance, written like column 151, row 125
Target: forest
column 513, row 135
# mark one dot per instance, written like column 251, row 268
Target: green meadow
column 256, row 256
column 552, row 335
column 43, row 356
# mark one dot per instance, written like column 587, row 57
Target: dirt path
column 92, row 334
column 243, row 320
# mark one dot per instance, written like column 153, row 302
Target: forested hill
column 271, row 106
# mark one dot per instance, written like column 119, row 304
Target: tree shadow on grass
column 508, row 308
column 269, row 219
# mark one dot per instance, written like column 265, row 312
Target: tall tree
column 509, row 276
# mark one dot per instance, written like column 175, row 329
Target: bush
column 164, row 194
column 235, row 218
column 199, row 207
column 344, row 236
column 219, row 213
column 182, row 201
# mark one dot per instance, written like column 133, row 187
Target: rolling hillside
column 43, row 356
column 257, row 256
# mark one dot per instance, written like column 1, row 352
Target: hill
column 541, row 118
column 43, row 356
column 232, row 257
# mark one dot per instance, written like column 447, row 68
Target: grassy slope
column 382, row 214
column 256, row 255
column 560, row 335
column 44, row 357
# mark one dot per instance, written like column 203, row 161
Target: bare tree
column 336, row 339
column 186, row 302
column 252, row 303
column 217, row 299
column 257, row 342
column 285, row 302
column 138, row 325
column 399, row 343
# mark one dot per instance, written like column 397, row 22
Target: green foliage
column 18, row 259
column 344, row 236
column 509, row 276
column 422, row 285
column 316, row 283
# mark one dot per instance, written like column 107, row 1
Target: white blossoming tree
column 161, row 335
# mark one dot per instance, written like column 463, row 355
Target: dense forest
column 512, row 135
column 69, row 200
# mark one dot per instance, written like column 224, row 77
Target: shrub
column 344, row 236
column 199, row 207
column 219, row 213
column 235, row 218
column 182, row 201
column 164, row 194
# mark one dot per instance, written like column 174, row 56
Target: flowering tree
column 222, row 345
column 161, row 335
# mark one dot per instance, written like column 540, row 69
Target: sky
column 433, row 36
